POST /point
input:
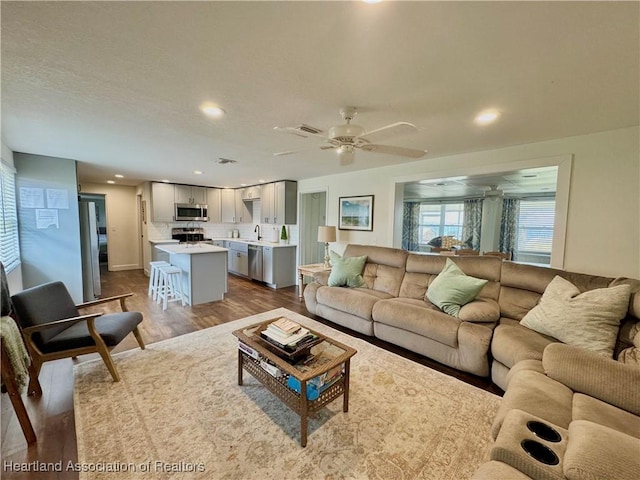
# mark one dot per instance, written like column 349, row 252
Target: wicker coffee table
column 260, row 359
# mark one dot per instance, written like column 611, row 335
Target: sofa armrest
column 594, row 375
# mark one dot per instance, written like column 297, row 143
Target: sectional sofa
column 486, row 339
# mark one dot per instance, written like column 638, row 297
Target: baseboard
column 119, row 268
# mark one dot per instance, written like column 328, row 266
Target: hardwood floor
column 52, row 414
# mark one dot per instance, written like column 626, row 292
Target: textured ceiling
column 117, row 85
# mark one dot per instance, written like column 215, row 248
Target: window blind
column 535, row 226
column 9, row 245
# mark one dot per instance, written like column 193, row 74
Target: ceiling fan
column 346, row 138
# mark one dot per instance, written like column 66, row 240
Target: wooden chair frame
column 39, row 357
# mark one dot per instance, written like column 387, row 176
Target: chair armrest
column 594, row 375
column 28, row 331
column 121, row 297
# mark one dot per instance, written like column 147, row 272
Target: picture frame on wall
column 356, row 213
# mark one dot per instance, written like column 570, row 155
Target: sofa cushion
column 596, row 451
column 597, row 411
column 452, row 288
column 512, row 342
column 346, row 272
column 355, row 301
column 419, row 317
column 481, row 310
column 590, row 319
column 384, row 268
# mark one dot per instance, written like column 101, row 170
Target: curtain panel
column 472, row 223
column 410, row 226
column 509, row 225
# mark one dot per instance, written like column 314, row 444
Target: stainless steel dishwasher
column 255, row 262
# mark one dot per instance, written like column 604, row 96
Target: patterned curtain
column 410, row 220
column 509, row 225
column 472, row 223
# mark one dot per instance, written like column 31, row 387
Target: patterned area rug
column 178, row 412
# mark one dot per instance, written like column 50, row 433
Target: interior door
column 313, row 213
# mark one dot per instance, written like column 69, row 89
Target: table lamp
column 326, row 235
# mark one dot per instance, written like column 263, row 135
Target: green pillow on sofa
column 346, row 272
column 452, row 289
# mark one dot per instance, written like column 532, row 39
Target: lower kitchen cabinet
column 279, row 266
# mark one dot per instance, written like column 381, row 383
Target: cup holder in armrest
column 539, row 452
column 544, row 431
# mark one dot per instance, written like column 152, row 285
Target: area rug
column 178, row 412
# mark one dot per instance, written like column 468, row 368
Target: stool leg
column 152, row 275
column 167, row 291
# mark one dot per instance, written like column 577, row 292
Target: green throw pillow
column 346, row 271
column 452, row 289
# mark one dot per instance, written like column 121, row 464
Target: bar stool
column 154, row 277
column 170, row 287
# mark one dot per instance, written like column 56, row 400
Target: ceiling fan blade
column 397, row 128
column 289, row 152
column 391, row 150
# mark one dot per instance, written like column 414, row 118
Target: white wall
column 123, row 235
column 603, row 221
column 51, row 253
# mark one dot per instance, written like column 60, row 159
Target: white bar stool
column 170, row 287
column 154, row 277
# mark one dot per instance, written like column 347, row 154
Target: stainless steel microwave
column 191, row 212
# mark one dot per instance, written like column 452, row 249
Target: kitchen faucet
column 257, row 229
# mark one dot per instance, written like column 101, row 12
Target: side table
column 309, row 270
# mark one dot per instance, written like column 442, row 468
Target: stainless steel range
column 188, row 235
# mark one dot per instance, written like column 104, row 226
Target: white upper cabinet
column 190, row 194
column 244, row 210
column 228, row 205
column 279, row 203
column 214, row 206
column 162, row 202
column 251, row 193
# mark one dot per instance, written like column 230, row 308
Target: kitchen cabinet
column 214, row 208
column 244, row 210
column 238, row 258
column 228, row 205
column 162, row 202
column 190, row 194
column 251, row 193
column 279, row 266
column 279, row 203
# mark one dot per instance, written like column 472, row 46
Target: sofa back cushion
column 384, row 268
column 421, row 270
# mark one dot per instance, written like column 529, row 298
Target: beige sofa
column 590, row 402
column 486, row 340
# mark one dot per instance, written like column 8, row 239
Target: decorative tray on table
column 287, row 353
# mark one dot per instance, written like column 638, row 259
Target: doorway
column 313, row 213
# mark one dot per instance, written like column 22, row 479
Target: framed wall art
column 356, row 213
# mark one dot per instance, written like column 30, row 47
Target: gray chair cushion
column 112, row 328
column 43, row 304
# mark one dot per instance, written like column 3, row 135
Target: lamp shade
column 326, row 234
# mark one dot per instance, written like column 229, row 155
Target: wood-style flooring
column 52, row 414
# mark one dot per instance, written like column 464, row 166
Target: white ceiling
column 117, row 85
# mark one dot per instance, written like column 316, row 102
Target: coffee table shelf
column 329, row 355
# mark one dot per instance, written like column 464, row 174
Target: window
column 9, row 248
column 534, row 237
column 440, row 220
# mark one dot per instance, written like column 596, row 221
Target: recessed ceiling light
column 243, row 184
column 487, row 117
column 117, row 175
column 371, row 1
column 212, row 110
column 262, row 180
column 111, row 181
column 165, row 181
column 197, row 172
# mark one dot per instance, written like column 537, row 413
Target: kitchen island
column 204, row 270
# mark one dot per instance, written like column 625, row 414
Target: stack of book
column 319, row 384
column 287, row 334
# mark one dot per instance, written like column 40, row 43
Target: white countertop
column 190, row 249
column 261, row 243
column 160, row 242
